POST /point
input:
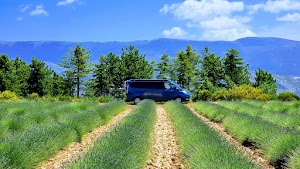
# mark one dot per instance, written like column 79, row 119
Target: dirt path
column 254, row 154
column 74, row 150
column 165, row 150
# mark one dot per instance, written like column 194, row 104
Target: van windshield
column 171, row 85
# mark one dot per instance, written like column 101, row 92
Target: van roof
column 148, row 80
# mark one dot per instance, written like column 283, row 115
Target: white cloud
column 275, row 6
column 38, row 11
column 175, row 32
column 199, row 10
column 214, row 19
column 24, row 8
column 19, row 18
column 224, row 22
column 290, row 17
column 66, row 2
column 227, row 34
column 287, row 30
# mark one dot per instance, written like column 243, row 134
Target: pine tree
column 185, row 66
column 77, row 63
column 164, row 67
column 234, row 68
column 212, row 67
column 265, row 81
column 40, row 78
column 134, row 65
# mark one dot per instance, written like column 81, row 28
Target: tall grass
column 281, row 119
column 294, row 162
column 212, row 111
column 201, row 146
column 127, row 145
column 34, row 131
column 275, row 141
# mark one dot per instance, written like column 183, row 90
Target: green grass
column 201, row 146
column 294, row 162
column 275, row 141
column 282, row 119
column 34, row 131
column 127, row 145
column 212, row 111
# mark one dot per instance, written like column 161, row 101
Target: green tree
column 58, row 85
column 185, row 66
column 234, row 68
column 134, row 65
column 40, row 78
column 212, row 67
column 5, row 70
column 265, row 81
column 164, row 67
column 77, row 63
column 21, row 73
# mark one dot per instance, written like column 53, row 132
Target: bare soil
column 76, row 149
column 165, row 151
column 253, row 153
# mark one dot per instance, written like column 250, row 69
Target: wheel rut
column 165, row 152
column 72, row 152
column 254, row 154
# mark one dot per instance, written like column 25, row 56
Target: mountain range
column 281, row 57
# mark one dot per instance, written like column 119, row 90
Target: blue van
column 158, row 90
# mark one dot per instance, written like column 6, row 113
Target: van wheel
column 137, row 100
column 178, row 99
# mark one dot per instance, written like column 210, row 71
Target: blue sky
column 128, row 20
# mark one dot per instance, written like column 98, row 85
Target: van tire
column 137, row 100
column 179, row 99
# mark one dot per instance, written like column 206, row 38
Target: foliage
column 33, row 96
column 288, row 96
column 265, row 81
column 249, row 92
column 77, row 64
column 212, row 67
column 134, row 65
column 185, row 67
column 105, row 99
column 164, row 67
column 203, row 95
column 39, row 80
column 127, row 145
column 222, row 94
column 201, row 146
column 234, row 68
column 8, row 95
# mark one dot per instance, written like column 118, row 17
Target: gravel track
column 254, row 154
column 165, row 151
column 74, row 150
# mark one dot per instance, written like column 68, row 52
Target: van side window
column 167, row 85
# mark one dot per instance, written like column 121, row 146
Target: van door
column 169, row 91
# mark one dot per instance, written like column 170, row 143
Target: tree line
column 193, row 71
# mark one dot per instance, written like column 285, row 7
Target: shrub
column 8, row 95
column 222, row 95
column 33, row 96
column 287, row 96
column 249, row 92
column 105, row 99
column 203, row 95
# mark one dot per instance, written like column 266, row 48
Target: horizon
column 114, row 41
column 122, row 21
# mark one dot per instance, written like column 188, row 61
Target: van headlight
column 186, row 92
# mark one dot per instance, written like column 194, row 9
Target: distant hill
column 278, row 56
